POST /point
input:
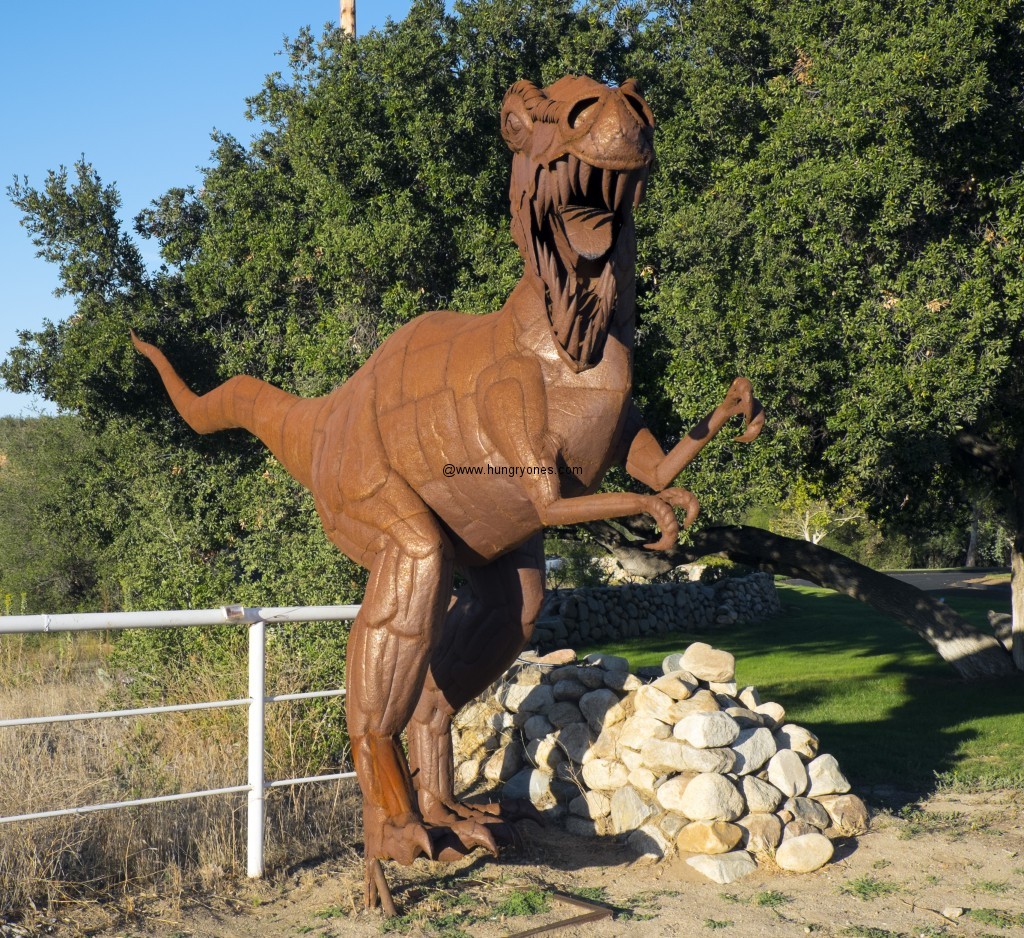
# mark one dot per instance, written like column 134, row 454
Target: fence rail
column 256, row 619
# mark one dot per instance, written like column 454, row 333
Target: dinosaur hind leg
column 488, row 624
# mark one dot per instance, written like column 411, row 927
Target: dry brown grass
column 170, row 850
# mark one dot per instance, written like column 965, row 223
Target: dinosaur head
column 582, row 151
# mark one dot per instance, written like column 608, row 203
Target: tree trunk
column 972, row 544
column 1017, row 597
column 971, row 653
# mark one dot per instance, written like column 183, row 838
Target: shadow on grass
column 896, row 716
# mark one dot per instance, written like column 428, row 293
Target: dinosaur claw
column 755, row 424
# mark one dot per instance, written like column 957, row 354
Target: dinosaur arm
column 513, row 416
column 649, row 463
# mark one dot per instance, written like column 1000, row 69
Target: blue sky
column 137, row 88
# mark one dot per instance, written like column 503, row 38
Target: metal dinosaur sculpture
column 534, row 390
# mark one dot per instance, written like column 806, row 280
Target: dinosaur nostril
column 578, row 115
column 638, row 108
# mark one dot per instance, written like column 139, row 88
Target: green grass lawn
column 876, row 695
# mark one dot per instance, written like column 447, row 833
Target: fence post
column 257, row 790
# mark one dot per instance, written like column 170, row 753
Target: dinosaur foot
column 445, row 839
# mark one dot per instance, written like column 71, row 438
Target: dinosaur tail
column 282, row 421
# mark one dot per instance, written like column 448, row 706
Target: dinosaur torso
column 560, row 349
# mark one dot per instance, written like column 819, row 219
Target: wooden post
column 348, row 17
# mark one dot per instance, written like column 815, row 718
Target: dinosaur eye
column 581, row 112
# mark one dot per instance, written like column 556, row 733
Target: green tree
column 836, row 213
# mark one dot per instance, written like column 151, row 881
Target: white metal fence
column 257, row 620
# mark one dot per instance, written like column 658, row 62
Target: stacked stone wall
column 596, row 614
column 683, row 762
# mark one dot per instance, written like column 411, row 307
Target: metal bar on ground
column 307, row 695
column 595, row 913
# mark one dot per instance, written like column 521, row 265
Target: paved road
column 989, row 580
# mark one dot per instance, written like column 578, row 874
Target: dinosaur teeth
column 639, row 193
column 621, row 185
column 574, row 173
column 585, row 170
column 607, row 182
column 562, row 177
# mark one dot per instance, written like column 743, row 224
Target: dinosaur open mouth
column 579, row 211
column 581, row 207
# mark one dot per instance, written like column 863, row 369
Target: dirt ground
column 953, row 865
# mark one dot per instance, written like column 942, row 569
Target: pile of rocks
column 603, row 613
column 678, row 760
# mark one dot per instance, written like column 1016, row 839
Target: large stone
column 825, row 777
column 537, row 727
column 629, row 810
column 724, row 868
column 749, row 697
column 607, row 662
column 529, row 784
column 560, row 656
column 591, row 805
column 804, row 854
column 701, row 702
column 606, row 746
column 679, row 685
column 712, row 797
column 563, row 713
column 568, row 690
column 797, row 738
column 774, row 712
column 762, row 832
column 797, row 828
column 709, row 837
column 642, row 779
column 621, row 680
column 575, row 740
column 707, row 730
column 651, row 702
column 747, row 719
column 601, row 708
column 503, row 764
column 630, row 758
column 670, row 794
column 848, row 813
column 664, row 756
column 605, row 775
column 723, row 689
column 545, row 753
column 649, row 843
column 638, row 730
column 787, row 773
column 707, row 663
column 809, row 811
column 753, row 747
column 672, row 663
column 762, row 797
column 466, row 774
column 530, row 698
